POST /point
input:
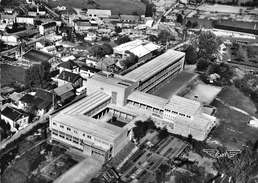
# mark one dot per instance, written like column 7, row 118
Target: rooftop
column 147, row 70
column 87, row 104
column 37, row 56
column 183, row 105
column 11, row 113
column 99, row 12
column 63, row 89
column 113, row 79
column 68, row 76
column 148, row 99
column 128, row 45
column 221, row 8
column 69, row 65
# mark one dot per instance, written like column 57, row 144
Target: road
column 23, row 131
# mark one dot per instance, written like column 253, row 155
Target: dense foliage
column 100, row 51
column 141, row 128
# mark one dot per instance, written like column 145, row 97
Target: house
column 25, row 19
column 15, row 97
column 15, row 38
column 106, row 64
column 41, row 10
column 64, row 93
column 91, row 36
column 9, row 10
column 42, row 101
column 36, row 57
column 84, row 25
column 94, row 13
column 69, row 66
column 130, row 19
column 91, row 61
column 8, row 19
column 86, row 71
column 15, row 117
column 47, row 28
column 69, row 77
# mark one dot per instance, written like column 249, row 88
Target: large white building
column 89, row 124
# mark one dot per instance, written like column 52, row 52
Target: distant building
column 84, row 25
column 69, row 77
column 94, row 13
column 42, row 101
column 15, row 117
column 107, row 64
column 47, row 28
column 69, row 66
column 8, row 19
column 64, row 93
column 25, row 19
column 36, row 57
column 15, row 38
column 87, row 72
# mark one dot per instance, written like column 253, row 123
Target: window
column 61, row 126
column 75, row 131
column 69, row 129
column 102, row 89
column 89, row 136
column 54, row 123
column 83, row 134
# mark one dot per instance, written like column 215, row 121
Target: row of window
column 83, row 134
column 174, row 112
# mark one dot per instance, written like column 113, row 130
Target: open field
column 116, row 6
column 11, row 73
column 233, row 130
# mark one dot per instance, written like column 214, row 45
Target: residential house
column 15, row 38
column 69, row 77
column 107, row 64
column 85, row 25
column 47, row 28
column 87, row 72
column 36, row 57
column 25, row 19
column 96, row 13
column 130, row 19
column 91, row 61
column 42, row 101
column 15, row 97
column 17, row 118
column 9, row 10
column 69, row 66
column 8, row 19
column 64, row 93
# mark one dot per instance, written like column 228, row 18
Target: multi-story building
column 158, row 71
column 96, row 13
column 47, row 28
column 100, row 124
column 25, row 19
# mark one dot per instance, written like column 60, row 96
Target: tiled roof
column 45, row 95
column 91, row 69
column 68, row 76
column 69, row 65
column 37, row 56
column 11, row 113
column 61, row 90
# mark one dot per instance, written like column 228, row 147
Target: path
column 23, row 131
column 237, row 109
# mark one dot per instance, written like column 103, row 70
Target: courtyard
column 175, row 85
column 203, row 93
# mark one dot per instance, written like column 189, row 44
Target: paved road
column 23, row 131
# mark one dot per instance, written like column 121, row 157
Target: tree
column 107, row 49
column 207, row 45
column 130, row 60
column 164, row 36
column 123, row 39
column 38, row 75
column 190, row 55
column 195, row 24
column 163, row 133
column 188, row 24
column 202, row 64
column 118, row 29
column 149, row 10
column 141, row 128
column 179, row 18
column 12, row 175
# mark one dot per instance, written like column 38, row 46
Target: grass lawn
column 116, row 6
column 11, row 73
column 233, row 130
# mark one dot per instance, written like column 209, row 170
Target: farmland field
column 233, row 130
column 116, row 6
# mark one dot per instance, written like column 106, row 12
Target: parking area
column 142, row 164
